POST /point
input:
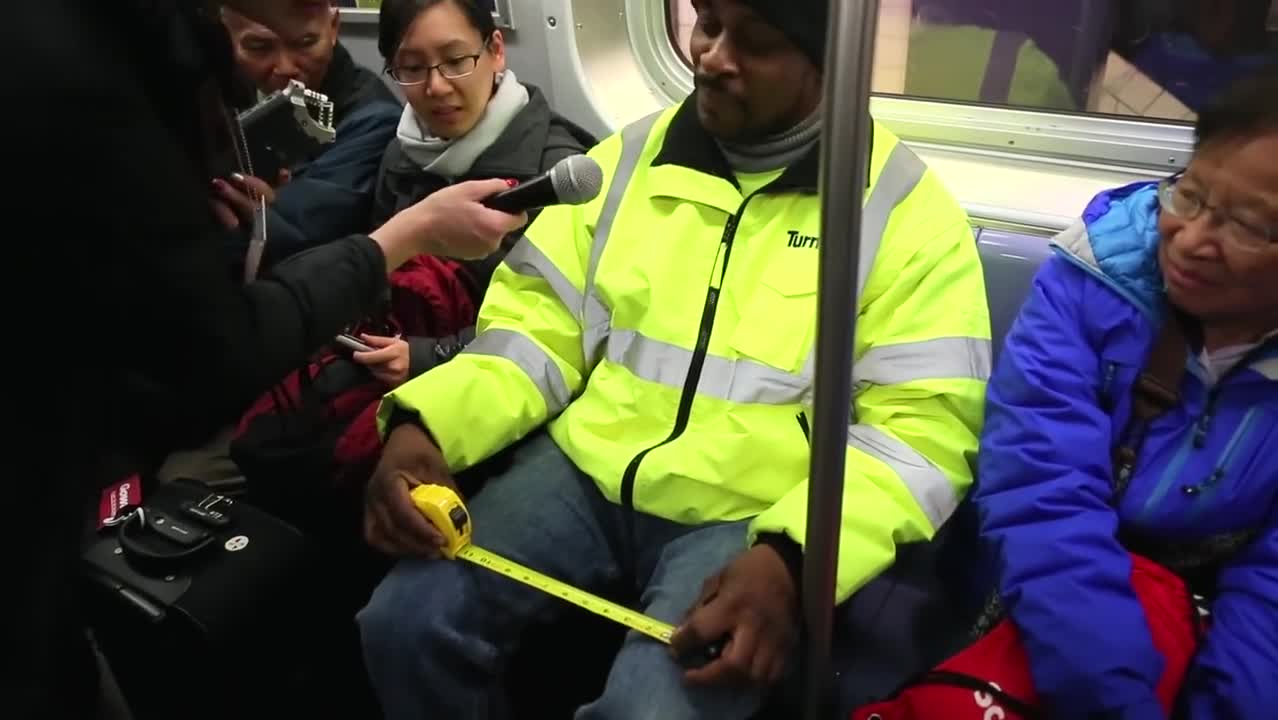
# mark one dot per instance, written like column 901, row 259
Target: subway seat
column 909, row 620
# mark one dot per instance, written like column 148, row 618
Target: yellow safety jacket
column 665, row 330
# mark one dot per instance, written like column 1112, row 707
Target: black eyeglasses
column 452, row 69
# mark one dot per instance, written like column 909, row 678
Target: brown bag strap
column 1156, row 391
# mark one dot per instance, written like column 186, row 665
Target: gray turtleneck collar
column 774, row 152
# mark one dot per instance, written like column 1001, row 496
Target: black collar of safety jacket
column 688, row 144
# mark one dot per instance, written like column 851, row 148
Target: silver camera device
column 285, row 128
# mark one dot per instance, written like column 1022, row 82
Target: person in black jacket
column 468, row 117
column 329, row 195
column 114, row 122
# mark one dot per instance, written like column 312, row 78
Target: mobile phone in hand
column 350, row 342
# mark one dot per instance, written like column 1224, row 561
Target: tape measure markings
column 634, row 620
column 445, row 510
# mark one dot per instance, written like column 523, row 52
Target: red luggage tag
column 119, row 500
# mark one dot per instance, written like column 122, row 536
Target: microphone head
column 577, row 179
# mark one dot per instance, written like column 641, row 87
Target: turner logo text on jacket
column 802, row 241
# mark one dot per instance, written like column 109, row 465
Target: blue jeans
column 437, row 633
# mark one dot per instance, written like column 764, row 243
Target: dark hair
column 397, row 15
column 1248, row 107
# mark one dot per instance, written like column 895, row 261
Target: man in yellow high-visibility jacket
column 663, row 337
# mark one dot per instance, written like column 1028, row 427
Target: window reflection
column 1008, row 52
column 1148, row 58
column 1191, row 50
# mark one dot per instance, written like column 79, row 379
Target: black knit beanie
column 803, row 21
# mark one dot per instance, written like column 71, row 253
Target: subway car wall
column 526, row 48
column 1026, row 109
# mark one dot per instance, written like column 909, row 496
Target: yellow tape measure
column 445, row 511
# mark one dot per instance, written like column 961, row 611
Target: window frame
column 651, row 28
column 1092, row 139
column 503, row 15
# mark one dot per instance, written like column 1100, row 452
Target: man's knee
column 419, row 611
column 647, row 684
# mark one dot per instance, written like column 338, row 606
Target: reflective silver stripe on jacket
column 528, row 356
column 742, row 381
column 901, row 174
column 595, row 315
column 927, row 484
column 528, row 260
column 936, row 359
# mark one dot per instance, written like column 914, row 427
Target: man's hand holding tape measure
column 392, row 523
column 753, row 603
column 741, row 629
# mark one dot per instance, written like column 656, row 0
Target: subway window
column 1158, row 59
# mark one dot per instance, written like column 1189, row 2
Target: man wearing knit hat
column 747, row 95
column 648, row 360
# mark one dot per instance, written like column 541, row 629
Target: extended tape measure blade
column 593, row 603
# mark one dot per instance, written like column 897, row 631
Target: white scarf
column 452, row 159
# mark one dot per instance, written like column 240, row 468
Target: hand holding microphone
column 575, row 180
column 469, row 220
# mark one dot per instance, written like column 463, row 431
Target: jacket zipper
column 689, row 392
column 1172, row 470
column 1107, row 387
column 1198, row 436
column 1205, row 489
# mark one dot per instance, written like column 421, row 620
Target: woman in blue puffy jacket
column 1203, row 492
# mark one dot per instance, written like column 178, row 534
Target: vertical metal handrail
column 845, row 155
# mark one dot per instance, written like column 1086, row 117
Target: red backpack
column 991, row 678
column 317, row 427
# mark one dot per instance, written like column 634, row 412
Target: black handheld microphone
column 575, row 180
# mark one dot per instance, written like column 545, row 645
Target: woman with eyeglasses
column 1059, row 517
column 468, row 118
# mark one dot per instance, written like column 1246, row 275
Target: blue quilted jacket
column 1048, row 529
